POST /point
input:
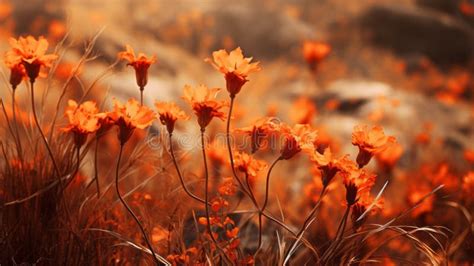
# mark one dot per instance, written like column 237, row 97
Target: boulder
column 418, row 31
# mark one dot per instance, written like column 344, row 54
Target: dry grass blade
column 381, row 228
column 130, row 243
column 374, row 202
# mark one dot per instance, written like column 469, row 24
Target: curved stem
column 56, row 169
column 313, row 211
column 181, row 179
column 267, row 184
column 78, row 164
column 206, row 188
column 206, row 197
column 129, row 209
column 252, row 196
column 229, row 147
column 265, row 202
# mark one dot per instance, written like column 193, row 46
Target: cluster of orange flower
column 28, row 56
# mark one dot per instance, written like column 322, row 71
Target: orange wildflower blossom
column 370, row 142
column 389, row 156
column 129, row 116
column 83, row 120
column 17, row 70
column 303, row 111
column 227, row 187
column 235, row 68
column 105, row 122
column 298, row 138
column 358, row 182
column 314, row 52
column 469, row 156
column 245, row 163
column 31, row 53
column 140, row 63
column 328, row 164
column 466, row 8
column 204, row 104
column 218, row 203
column 258, row 131
column 169, row 113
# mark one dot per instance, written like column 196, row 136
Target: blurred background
column 405, row 64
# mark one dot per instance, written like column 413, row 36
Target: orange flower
column 469, row 156
column 129, row 116
column 17, row 71
column 31, row 53
column 303, row 111
column 232, row 233
column 169, row 113
column 204, row 104
column 235, row 68
column 83, row 120
column 327, row 164
column 466, row 8
column 370, row 142
column 299, row 138
column 358, row 182
column 140, row 63
column 105, row 122
column 258, row 131
column 228, row 187
column 245, row 163
column 314, row 52
column 218, row 203
column 390, row 155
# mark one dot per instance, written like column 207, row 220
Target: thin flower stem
column 267, row 184
column 265, row 202
column 78, row 164
column 307, row 221
column 42, row 134
column 339, row 234
column 141, row 95
column 50, row 152
column 78, row 157
column 251, row 192
column 96, row 165
column 206, row 197
column 311, row 214
column 19, row 148
column 231, row 158
column 229, row 147
column 157, row 262
column 206, row 188
column 181, row 179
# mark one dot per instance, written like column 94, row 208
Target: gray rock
column 417, row 31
